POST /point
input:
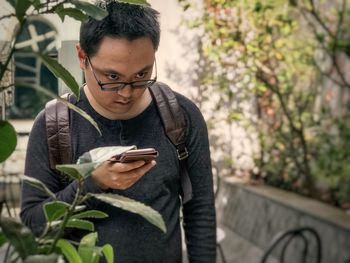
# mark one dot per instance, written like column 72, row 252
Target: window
column 39, row 35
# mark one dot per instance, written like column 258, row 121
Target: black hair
column 124, row 20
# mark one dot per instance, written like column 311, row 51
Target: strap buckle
column 182, row 153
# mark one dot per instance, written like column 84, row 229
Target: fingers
column 120, row 175
column 125, row 167
column 126, row 179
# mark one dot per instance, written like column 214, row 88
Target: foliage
column 23, row 246
column 8, row 141
column 61, row 215
column 290, row 59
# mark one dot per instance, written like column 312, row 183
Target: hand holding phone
column 146, row 154
column 114, row 174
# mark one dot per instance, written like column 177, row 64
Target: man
column 121, row 48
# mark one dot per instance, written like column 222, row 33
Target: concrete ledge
column 258, row 213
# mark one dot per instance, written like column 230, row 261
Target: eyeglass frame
column 124, row 83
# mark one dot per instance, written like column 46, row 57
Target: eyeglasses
column 119, row 85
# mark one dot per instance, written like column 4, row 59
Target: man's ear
column 81, row 56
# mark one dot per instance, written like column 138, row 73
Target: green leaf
column 81, row 112
column 8, row 140
column 51, row 258
column 36, row 4
column 69, row 251
column 39, row 185
column 81, row 224
column 135, row 2
column 133, row 206
column 54, row 225
column 55, row 210
column 101, row 154
column 60, row 72
column 21, row 8
column 90, row 9
column 89, row 240
column 45, row 246
column 73, row 13
column 3, row 238
column 108, row 252
column 79, row 208
column 87, row 249
column 234, row 116
column 68, row 104
column 90, row 214
column 77, row 171
column 89, row 252
column 19, row 236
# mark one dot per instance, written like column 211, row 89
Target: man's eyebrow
column 112, row 71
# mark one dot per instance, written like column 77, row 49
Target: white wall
column 170, row 50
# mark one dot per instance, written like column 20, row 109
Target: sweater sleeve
column 37, row 166
column 199, row 212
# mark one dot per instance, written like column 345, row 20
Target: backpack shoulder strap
column 58, row 132
column 174, row 123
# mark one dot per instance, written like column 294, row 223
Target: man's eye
column 112, row 76
column 141, row 75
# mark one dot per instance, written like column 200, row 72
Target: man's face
column 118, row 60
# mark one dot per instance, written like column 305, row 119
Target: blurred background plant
column 279, row 70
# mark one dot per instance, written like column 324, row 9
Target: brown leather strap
column 58, row 133
column 171, row 114
column 174, row 123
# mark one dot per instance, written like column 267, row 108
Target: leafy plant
column 61, row 215
column 286, row 60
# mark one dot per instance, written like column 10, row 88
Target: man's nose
column 126, row 91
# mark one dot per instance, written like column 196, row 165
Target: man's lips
column 122, row 102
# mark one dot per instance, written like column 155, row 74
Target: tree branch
column 7, row 16
column 314, row 13
column 331, row 53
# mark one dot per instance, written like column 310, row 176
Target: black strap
column 174, row 123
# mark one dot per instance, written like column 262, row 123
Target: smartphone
column 146, row 154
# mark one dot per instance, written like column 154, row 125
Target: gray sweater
column 132, row 237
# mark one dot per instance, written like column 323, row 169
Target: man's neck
column 137, row 108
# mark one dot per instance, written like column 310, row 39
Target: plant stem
column 67, row 216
